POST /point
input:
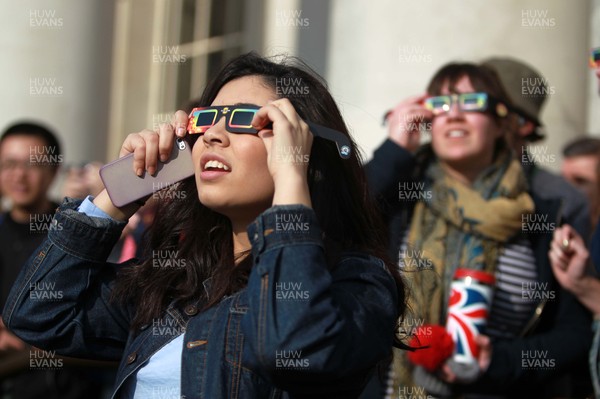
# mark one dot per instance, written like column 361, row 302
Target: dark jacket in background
column 563, row 326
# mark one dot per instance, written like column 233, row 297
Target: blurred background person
column 83, row 180
column 570, row 262
column 29, row 159
column 580, row 166
column 528, row 91
column 472, row 196
column 30, row 156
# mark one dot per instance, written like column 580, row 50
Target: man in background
column 528, row 90
column 29, row 159
column 581, row 160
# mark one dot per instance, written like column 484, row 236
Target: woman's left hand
column 288, row 147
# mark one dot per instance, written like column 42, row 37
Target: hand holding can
column 468, row 310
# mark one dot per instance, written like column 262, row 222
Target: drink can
column 468, row 310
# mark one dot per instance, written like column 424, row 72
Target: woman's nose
column 217, row 134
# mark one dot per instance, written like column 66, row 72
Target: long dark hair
column 202, row 238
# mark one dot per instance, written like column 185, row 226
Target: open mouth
column 456, row 133
column 213, row 164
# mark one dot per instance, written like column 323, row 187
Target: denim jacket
column 296, row 330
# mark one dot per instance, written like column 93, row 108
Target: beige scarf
column 460, row 226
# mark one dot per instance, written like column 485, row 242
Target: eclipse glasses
column 238, row 120
column 467, row 102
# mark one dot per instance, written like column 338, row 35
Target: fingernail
column 180, row 131
column 139, row 172
column 163, row 157
column 151, row 171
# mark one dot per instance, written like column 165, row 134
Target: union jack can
column 468, row 310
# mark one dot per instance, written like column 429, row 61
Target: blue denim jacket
column 296, row 330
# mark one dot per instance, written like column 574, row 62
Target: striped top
column 516, row 296
column 517, row 290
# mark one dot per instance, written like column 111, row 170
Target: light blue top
column 88, row 207
column 160, row 376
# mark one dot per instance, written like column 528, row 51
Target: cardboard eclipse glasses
column 467, row 102
column 238, row 119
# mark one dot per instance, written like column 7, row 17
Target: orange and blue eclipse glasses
column 595, row 57
column 467, row 102
column 238, row 119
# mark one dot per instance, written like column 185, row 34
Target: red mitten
column 433, row 345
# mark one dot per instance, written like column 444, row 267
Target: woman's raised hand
column 147, row 147
column 288, row 147
column 406, row 121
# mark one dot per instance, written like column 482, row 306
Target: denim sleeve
column 61, row 298
column 309, row 329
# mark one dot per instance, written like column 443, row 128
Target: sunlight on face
column 246, row 188
column 461, row 138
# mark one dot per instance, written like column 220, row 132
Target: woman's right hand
column 406, row 120
column 568, row 258
column 147, row 147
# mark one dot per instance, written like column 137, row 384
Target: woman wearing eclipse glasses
column 281, row 287
column 462, row 201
